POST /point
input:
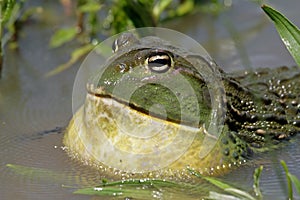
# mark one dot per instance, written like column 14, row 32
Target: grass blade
column 62, row 36
column 288, row 179
column 110, row 191
column 217, row 183
column 296, row 182
column 211, row 180
column 219, row 196
column 35, row 173
column 226, row 187
column 288, row 32
column 76, row 55
column 256, row 177
column 136, row 189
column 240, row 193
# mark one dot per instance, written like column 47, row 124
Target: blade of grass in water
column 296, row 182
column 141, row 189
column 256, row 177
column 288, row 32
column 109, row 191
column 40, row 174
column 76, row 55
column 122, row 189
column 290, row 179
column 237, row 193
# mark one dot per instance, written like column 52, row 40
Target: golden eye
column 159, row 62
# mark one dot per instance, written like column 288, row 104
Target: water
column 30, row 104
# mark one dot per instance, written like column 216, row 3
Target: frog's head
column 156, row 78
column 153, row 107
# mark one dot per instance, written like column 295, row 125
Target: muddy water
column 34, row 109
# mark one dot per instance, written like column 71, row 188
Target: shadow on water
column 31, row 104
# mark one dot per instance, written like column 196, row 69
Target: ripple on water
column 274, row 178
column 38, row 165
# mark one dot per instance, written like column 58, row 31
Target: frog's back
column 275, row 113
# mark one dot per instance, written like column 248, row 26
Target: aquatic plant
column 8, row 11
column 154, row 188
column 289, row 33
column 12, row 16
column 120, row 16
column 125, row 15
column 130, row 189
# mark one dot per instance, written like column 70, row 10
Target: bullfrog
column 158, row 110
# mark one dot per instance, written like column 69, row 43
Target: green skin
column 260, row 105
column 262, row 110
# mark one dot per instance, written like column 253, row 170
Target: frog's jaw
column 84, row 141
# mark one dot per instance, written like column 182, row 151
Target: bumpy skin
column 263, row 108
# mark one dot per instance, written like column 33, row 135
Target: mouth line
column 100, row 93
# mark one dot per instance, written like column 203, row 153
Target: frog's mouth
column 101, row 93
column 160, row 102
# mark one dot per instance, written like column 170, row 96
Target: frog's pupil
column 159, row 62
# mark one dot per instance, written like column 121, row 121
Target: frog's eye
column 159, row 62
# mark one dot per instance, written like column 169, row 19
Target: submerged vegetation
column 162, row 189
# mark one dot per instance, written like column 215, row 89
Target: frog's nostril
column 115, row 46
column 124, row 40
column 160, row 62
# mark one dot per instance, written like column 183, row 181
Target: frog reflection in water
column 262, row 109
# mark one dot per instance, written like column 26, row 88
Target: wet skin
column 262, row 108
